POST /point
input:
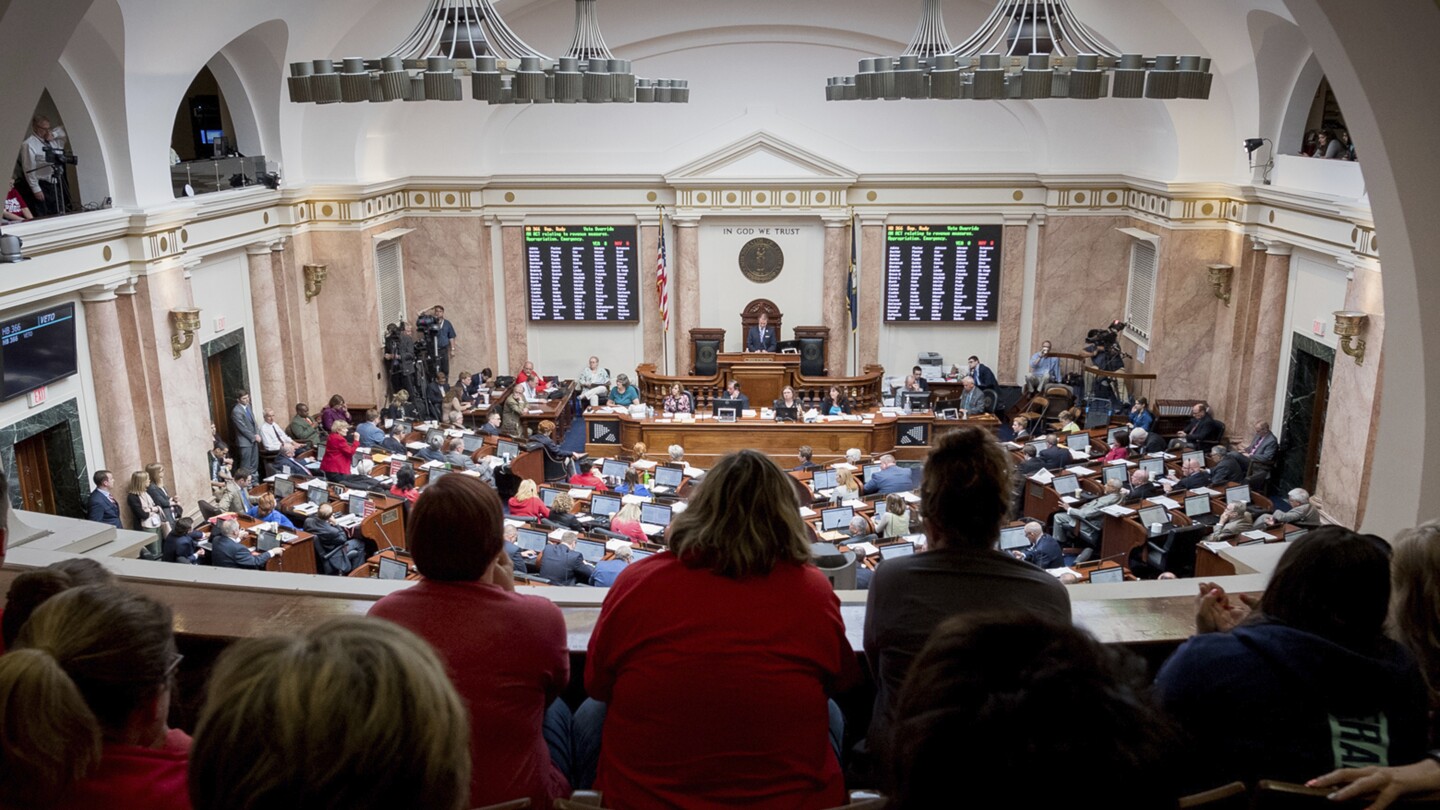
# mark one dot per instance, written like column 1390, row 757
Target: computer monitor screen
column 530, row 539
column 592, row 550
column 1039, row 446
column 669, row 477
column 725, row 402
column 393, row 569
column 1066, row 484
column 784, row 414
column 636, row 555
column 319, row 496
column 473, row 441
column 1154, row 466
column 267, row 540
column 655, row 514
column 1112, row 433
column 614, row 469
column 823, row 479
column 434, row 435
column 507, row 449
column 436, row 474
column 284, row 487
column 405, row 465
column 548, row 494
column 1240, row 493
column 405, row 425
column 1154, row 514
column 210, row 136
column 869, row 470
column 1197, row 505
column 1102, row 576
column 896, row 550
column 836, row 518
column 357, row 504
column 1078, row 441
column 915, row 400
column 604, row 505
column 1013, row 538
column 1113, row 472
column 1197, row 456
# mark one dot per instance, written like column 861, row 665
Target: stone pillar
column 835, row 292
column 120, row 445
column 265, row 315
column 685, row 289
column 652, row 328
column 1270, row 324
column 517, row 320
column 872, row 290
column 1012, row 299
column 292, row 354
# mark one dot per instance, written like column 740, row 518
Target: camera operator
column 42, row 151
column 400, row 354
column 438, row 337
column 1103, row 345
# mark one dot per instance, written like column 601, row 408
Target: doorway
column 226, row 375
column 1307, row 396
column 47, row 477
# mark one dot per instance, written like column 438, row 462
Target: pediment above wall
column 761, row 159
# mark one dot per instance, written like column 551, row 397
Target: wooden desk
column 761, row 375
column 371, row 567
column 299, row 556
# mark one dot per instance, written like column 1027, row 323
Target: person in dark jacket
column 562, row 564
column 227, row 551
column 339, row 554
column 1229, row 467
column 1044, row 552
column 1203, row 431
column 1307, row 683
column 182, row 544
column 560, row 513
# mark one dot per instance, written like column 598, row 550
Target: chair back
column 208, row 509
column 1233, row 796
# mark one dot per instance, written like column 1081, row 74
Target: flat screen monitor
column 655, row 514
column 1239, row 493
column 1151, row 515
column 210, row 136
column 948, row 273
column 1012, row 538
column 721, row 403
column 1038, row 445
column 583, row 272
column 824, row 479
column 896, row 550
column 836, row 518
column 915, row 400
column 37, row 349
column 318, row 496
column 1196, row 505
column 267, row 540
column 473, row 442
column 614, row 469
column 1066, row 484
column 604, row 505
column 636, row 555
column 1113, row 472
column 531, row 539
column 1154, row 466
column 784, row 414
column 949, row 413
column 1079, row 442
column 869, row 471
column 507, row 449
column 1197, row 456
column 406, row 427
column 669, row 477
column 434, row 435
column 548, row 495
column 393, row 569
column 1112, row 433
column 1103, row 576
column 357, row 504
column 283, row 487
column 436, row 474
column 592, row 550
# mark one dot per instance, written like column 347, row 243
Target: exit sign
column 220, row 324
column 37, row 397
column 1318, row 327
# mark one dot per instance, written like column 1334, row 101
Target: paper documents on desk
column 834, row 536
column 910, row 497
column 631, row 497
column 1081, row 471
column 1062, row 571
column 1257, row 535
column 616, row 544
column 1161, row 500
column 1080, row 455
column 843, row 465
column 1070, row 499
column 864, row 549
column 854, row 503
column 578, row 493
column 807, row 512
column 432, row 465
column 1216, row 546
column 677, row 507
column 557, row 534
column 1203, row 491
column 417, row 445
column 1165, row 456
column 1043, row 477
column 644, row 464
column 516, row 523
column 1116, row 510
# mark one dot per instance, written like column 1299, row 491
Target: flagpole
column 661, row 282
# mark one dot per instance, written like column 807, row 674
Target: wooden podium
column 761, row 374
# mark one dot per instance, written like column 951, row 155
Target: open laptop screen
column 1154, row 466
column 1101, row 576
column 655, row 514
column 507, row 449
column 283, row 487
column 1079, row 442
column 1066, row 484
column 1240, row 493
column 1154, row 514
column 823, row 479
column 1113, row 472
column 319, row 496
column 393, row 569
column 896, row 550
column 668, row 477
column 531, row 539
column 1013, row 538
column 612, row 468
column 592, row 550
column 548, row 495
column 604, row 504
column 1196, row 505
column 836, row 518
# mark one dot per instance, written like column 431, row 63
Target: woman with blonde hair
column 736, row 602
column 351, row 713
column 454, row 406
column 526, row 502
column 148, row 514
column 340, row 447
column 168, row 503
column 83, row 699
column 627, row 522
column 894, row 521
column 846, row 487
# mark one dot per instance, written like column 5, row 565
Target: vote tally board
column 582, row 272
column 942, row 273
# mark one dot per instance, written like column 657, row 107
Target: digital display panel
column 942, row 273
column 582, row 273
column 37, row 349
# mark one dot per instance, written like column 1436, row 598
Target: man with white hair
column 677, row 454
column 1143, row 442
column 1044, row 551
column 852, row 456
column 607, row 570
column 226, row 550
column 593, row 382
column 889, row 478
column 1301, row 511
column 1141, row 487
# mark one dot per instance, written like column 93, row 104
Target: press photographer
column 43, row 160
column 399, row 353
column 435, row 341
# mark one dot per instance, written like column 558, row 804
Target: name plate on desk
column 390, row 516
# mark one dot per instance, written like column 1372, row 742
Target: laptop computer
column 472, row 441
column 1112, row 433
column 836, row 518
column 1239, row 493
column 604, row 505
column 318, row 496
column 507, row 449
column 1066, row 485
column 283, row 487
column 1102, row 576
column 869, row 470
column 436, row 474
column 1114, row 472
column 1197, row 508
column 548, row 495
column 393, row 569
column 356, row 504
column 667, row 479
column 636, row 555
column 1012, row 538
column 1154, row 466
column 1078, row 443
column 654, row 517
column 592, row 550
column 531, row 539
column 1151, row 515
column 901, row 549
column 823, row 479
column 1197, row 456
column 614, row 468
column 267, row 540
column 406, row 426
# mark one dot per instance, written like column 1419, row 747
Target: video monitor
column 318, row 496
column 1038, row 445
column 1112, row 433
column 896, row 550
column 612, row 468
column 1196, row 505
column 507, row 449
column 836, row 518
column 405, row 425
column 655, row 514
column 592, row 550
column 210, row 136
column 357, row 504
column 1104, row 576
column 669, row 477
column 531, row 539
column 1240, row 493
column 1113, row 472
column 784, row 414
column 869, row 470
column 1012, row 538
column 915, row 400
column 1151, row 515
column 636, row 555
column 436, row 474
column 824, row 479
column 604, row 505
column 434, row 435
column 283, row 487
column 548, row 495
column 267, row 540
column 1154, row 466
column 473, row 442
column 1078, row 442
column 1197, row 456
column 1066, row 484
column 393, row 569
column 720, row 403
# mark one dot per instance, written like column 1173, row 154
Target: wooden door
column 37, row 490
column 215, row 377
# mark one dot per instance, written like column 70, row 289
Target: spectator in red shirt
column 590, row 479
column 506, row 653
column 716, row 660
column 339, row 452
column 404, row 486
column 526, row 501
column 88, row 688
column 15, row 208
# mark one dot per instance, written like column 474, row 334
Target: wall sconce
column 314, row 279
column 1220, row 276
column 184, row 322
column 1348, row 326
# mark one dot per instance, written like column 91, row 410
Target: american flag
column 661, row 279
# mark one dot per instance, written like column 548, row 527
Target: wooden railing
column 864, row 391
column 655, row 387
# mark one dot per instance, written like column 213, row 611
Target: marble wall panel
column 305, row 324
column 1012, row 293
column 835, row 291
column 1353, row 415
column 517, row 304
column 1232, row 339
column 67, row 465
column 1187, row 316
column 447, row 261
column 1080, row 282
column 653, row 334
column 179, row 406
column 871, row 294
column 349, row 317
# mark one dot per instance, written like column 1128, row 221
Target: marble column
column 1264, row 351
column 132, row 309
column 118, row 438
column 265, row 316
column 872, row 288
column 652, row 328
column 835, row 303
column 517, row 321
column 292, row 357
column 1347, row 455
column 685, row 289
column 1012, row 299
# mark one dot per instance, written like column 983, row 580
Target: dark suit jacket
column 754, row 343
column 893, row 479
column 287, row 465
column 104, row 509
column 826, row 404
column 393, row 445
column 1045, row 553
column 180, row 547
column 227, row 553
column 1142, row 492
column 567, row 520
column 430, row 454
column 1203, row 432
column 1154, row 443
column 1056, row 457
column 516, row 558
column 1229, row 470
column 1265, row 450
column 242, row 419
column 562, row 566
column 489, row 429
column 162, row 500
column 329, row 537
column 1030, row 466
column 984, row 377
column 1199, row 479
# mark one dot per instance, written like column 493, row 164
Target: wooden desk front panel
column 706, row 441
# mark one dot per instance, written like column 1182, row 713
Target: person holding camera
column 400, row 354
column 445, row 342
column 41, row 152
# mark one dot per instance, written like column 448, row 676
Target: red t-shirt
column 589, row 480
column 411, row 495
column 717, row 688
column 540, row 382
column 135, row 778
column 508, row 659
column 14, row 204
column 1116, row 454
column 629, row 528
column 532, row 508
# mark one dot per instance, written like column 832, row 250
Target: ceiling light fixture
column 1026, row 49
column 456, row 39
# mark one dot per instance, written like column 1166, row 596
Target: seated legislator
column 404, row 486
column 592, row 383
column 624, row 393
column 266, row 510
column 834, row 403
column 456, row 456
column 761, row 338
column 492, row 423
column 226, row 550
column 1119, row 448
column 561, row 512
column 736, row 602
column 1044, row 551
column 975, row 693
column 984, row 377
column 303, row 427
column 236, row 495
column 561, row 563
column 1020, row 429
column 1301, row 511
column 627, row 522
column 1202, row 432
column 433, row 449
column 677, row 401
column 394, row 443
column 1068, row 422
column 965, row 496
column 1141, row 487
column 285, row 463
column 590, row 478
column 1055, row 455
column 531, row 378
column 339, row 554
column 787, row 400
column 351, row 712
column 333, row 412
column 526, row 501
column 1044, row 369
column 1091, row 516
column 1140, row 414
column 1333, row 690
column 1262, row 445
column 369, row 431
column 890, row 478
column 806, row 455
column 506, row 653
column 544, row 436
column 402, row 408
column 847, row 488
column 1193, row 475
column 88, row 685
column 1227, row 466
column 972, row 399
column 632, row 485
column 607, row 570
column 340, row 449
column 918, row 374
column 732, row 391
column 454, row 406
column 520, row 558
column 894, row 520
column 182, row 544
column 1234, row 521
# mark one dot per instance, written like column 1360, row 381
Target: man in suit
column 984, row 377
column 339, row 555
column 226, row 550
column 103, row 506
column 1141, row 487
column 972, row 398
column 1044, row 551
column 1301, row 511
column 492, row 423
column 1203, row 431
column 761, row 338
column 1192, row 475
column 1089, row 516
column 732, row 391
column 455, row 455
column 807, row 459
column 562, row 564
column 1028, row 466
column 1054, row 456
column 247, row 434
column 889, row 478
column 607, row 570
column 1144, row 442
column 1263, row 446
column 285, row 463
column 395, row 442
column 435, row 396
column 369, row 431
column 920, row 381
column 1229, row 466
column 522, row 560
column 236, row 496
column 432, row 451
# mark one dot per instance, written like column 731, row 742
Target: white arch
column 93, row 173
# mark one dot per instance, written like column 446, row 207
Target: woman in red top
column 1119, row 448
column 405, row 485
column 339, row 453
column 507, row 654
column 627, row 522
column 716, row 660
column 526, row 502
column 88, row 688
column 590, row 479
